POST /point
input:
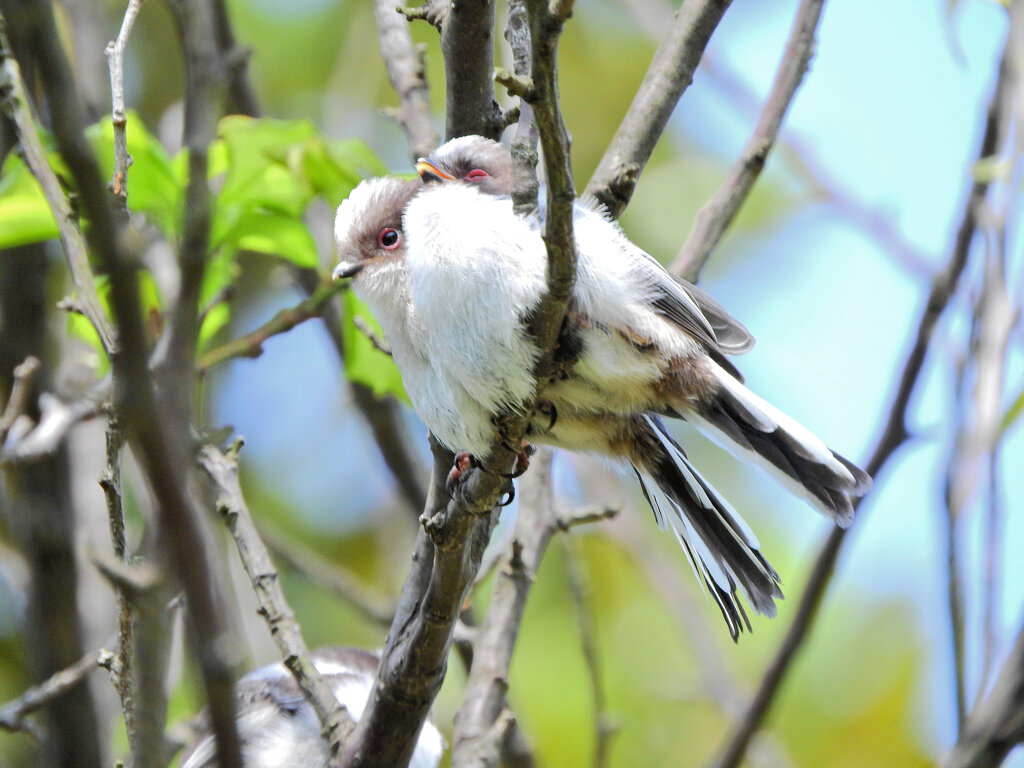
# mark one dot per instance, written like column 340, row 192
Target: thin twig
column 13, row 714
column 718, row 213
column 407, row 73
column 251, row 344
column 16, row 106
column 893, row 436
column 241, row 96
column 336, row 725
column 668, row 76
column 21, row 392
column 115, row 60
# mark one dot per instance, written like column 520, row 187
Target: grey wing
column 683, row 303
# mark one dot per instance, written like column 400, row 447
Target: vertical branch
column 406, row 71
column 467, row 42
column 160, row 440
column 482, row 721
column 894, row 434
column 718, row 213
column 115, row 60
column 669, row 75
column 241, row 98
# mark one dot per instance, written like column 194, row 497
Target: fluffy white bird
column 636, row 344
column 278, row 728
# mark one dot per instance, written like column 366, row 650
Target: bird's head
column 368, row 225
column 471, row 159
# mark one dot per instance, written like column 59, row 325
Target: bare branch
column 241, row 97
column 161, row 441
column 13, row 714
column 477, row 739
column 996, row 725
column 115, row 60
column 872, row 220
column 336, row 725
column 718, row 213
column 251, row 344
column 668, row 76
column 467, row 41
column 407, row 73
column 16, row 105
column 413, row 664
column 893, row 436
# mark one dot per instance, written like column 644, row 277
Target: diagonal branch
column 335, row 723
column 669, row 75
column 16, row 105
column 718, row 213
column 894, row 434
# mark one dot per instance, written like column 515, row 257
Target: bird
column 636, row 344
column 278, row 728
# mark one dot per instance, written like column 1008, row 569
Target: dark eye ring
column 476, row 174
column 389, row 238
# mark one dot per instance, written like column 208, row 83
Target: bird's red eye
column 389, row 238
column 476, row 174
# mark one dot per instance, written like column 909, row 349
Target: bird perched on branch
column 278, row 728
column 453, row 276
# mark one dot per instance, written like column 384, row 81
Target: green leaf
column 262, row 163
column 287, row 237
column 154, row 188
column 25, row 216
column 364, row 363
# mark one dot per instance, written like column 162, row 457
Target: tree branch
column 14, row 713
column 161, row 443
column 669, row 75
column 996, row 725
column 407, row 73
column 478, row 733
column 467, row 42
column 718, row 213
column 115, row 60
column 251, row 344
column 16, row 105
column 335, row 723
column 894, row 434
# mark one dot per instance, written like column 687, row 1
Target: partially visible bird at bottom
column 278, row 728
column 453, row 275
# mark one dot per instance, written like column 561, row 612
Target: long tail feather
column 721, row 548
column 746, row 425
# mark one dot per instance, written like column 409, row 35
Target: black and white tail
column 721, row 548
column 750, row 428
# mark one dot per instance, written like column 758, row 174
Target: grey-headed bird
column 278, row 728
column 453, row 275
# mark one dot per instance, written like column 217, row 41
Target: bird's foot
column 465, row 461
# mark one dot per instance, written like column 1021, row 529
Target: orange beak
column 430, row 172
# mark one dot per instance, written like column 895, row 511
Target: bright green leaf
column 25, row 216
column 270, row 233
column 364, row 363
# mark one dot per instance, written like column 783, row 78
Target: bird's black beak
column 345, row 269
column 430, row 173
